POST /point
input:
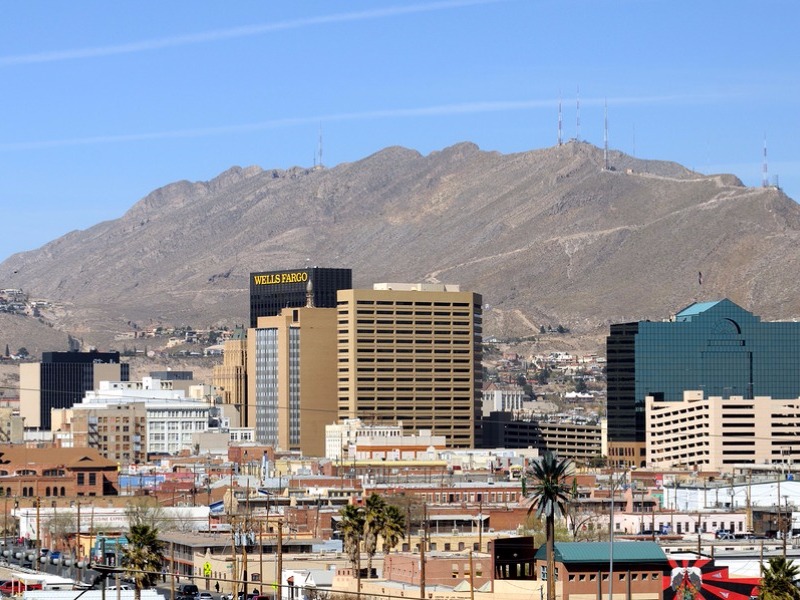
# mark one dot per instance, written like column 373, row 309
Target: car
column 187, row 591
column 13, row 587
column 205, row 596
column 723, row 534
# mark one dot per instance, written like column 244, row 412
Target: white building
column 171, row 418
column 502, row 397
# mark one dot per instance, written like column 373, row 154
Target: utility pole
column 234, row 566
column 423, row 540
column 480, row 527
column 38, row 534
column 78, row 535
column 784, row 529
column 279, row 564
column 172, row 570
column 610, row 543
column 471, row 578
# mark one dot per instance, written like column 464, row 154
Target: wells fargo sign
column 273, row 278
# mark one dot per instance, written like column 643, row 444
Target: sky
column 103, row 102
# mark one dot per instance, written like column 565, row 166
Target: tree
column 351, row 527
column 143, row 557
column 394, row 528
column 374, row 518
column 146, row 511
column 779, row 580
column 551, row 495
column 366, row 525
column 543, row 376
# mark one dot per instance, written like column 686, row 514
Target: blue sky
column 105, row 101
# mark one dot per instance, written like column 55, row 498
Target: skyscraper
column 717, row 348
column 272, row 291
column 412, row 353
column 291, row 378
column 61, row 380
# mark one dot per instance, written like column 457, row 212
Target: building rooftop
column 697, row 308
column 589, row 552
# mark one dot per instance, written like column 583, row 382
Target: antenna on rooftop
column 605, row 135
column 764, row 173
column 578, row 116
column 559, row 118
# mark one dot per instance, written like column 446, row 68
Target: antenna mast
column 605, row 135
column 764, row 173
column 320, row 144
column 578, row 116
column 559, row 119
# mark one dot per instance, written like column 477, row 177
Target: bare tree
column 147, row 511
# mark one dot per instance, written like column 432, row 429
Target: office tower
column 291, row 378
column 412, row 353
column 272, row 291
column 61, row 380
column 230, row 378
column 717, row 348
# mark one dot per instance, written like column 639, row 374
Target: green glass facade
column 714, row 347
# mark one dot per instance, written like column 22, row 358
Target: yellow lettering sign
column 273, row 278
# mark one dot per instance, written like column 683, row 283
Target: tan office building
column 291, row 378
column 721, row 433
column 229, row 379
column 412, row 353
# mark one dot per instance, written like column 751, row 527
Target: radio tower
column 559, row 119
column 320, row 144
column 764, row 173
column 578, row 117
column 605, row 135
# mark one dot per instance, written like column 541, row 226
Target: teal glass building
column 714, row 347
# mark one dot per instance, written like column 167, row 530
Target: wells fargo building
column 411, row 353
column 272, row 291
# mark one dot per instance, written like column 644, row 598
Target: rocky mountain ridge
column 547, row 236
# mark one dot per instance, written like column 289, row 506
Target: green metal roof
column 592, row 552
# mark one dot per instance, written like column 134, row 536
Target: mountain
column 548, row 237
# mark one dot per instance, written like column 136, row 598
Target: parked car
column 187, row 591
column 205, row 596
column 723, row 534
column 12, row 587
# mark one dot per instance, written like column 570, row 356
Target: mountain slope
column 546, row 236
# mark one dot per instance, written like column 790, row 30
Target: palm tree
column 394, row 527
column 143, row 557
column 551, row 494
column 351, row 527
column 374, row 520
column 779, row 580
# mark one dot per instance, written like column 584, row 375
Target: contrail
column 236, row 32
column 441, row 110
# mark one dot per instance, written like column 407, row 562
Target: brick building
column 56, row 472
